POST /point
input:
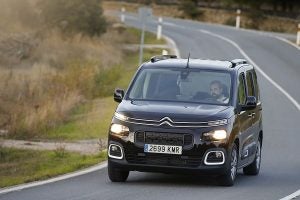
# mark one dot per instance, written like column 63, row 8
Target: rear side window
column 250, row 85
column 242, row 89
column 257, row 95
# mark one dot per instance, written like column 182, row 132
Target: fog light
column 114, row 148
column 214, row 158
column 218, row 155
column 115, row 151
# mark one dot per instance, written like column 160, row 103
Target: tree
column 284, row 5
column 190, row 8
column 71, row 16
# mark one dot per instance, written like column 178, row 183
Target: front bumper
column 190, row 162
column 194, row 149
column 201, row 170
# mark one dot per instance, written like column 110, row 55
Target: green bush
column 255, row 19
column 231, row 21
column 190, row 9
column 73, row 16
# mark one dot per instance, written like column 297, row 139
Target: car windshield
column 182, row 84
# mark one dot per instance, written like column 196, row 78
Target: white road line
column 284, row 92
column 272, row 36
column 294, row 102
column 171, row 24
column 84, row 171
column 173, row 45
column 52, row 180
column 241, row 29
column 297, row 193
column 292, row 196
column 268, row 34
column 284, row 40
column 104, row 164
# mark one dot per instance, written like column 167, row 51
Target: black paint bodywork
column 244, row 131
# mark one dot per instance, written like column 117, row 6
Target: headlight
column 121, row 117
column 119, row 129
column 215, row 135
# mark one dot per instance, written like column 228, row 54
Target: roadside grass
column 91, row 120
column 89, row 124
column 21, row 166
column 134, row 37
column 40, row 91
column 74, row 102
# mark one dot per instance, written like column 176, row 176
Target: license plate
column 167, row 149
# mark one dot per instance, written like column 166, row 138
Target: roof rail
column 162, row 57
column 236, row 62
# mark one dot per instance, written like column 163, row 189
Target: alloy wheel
column 233, row 163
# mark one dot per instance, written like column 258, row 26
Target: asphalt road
column 280, row 169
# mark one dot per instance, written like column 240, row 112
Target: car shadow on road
column 155, row 179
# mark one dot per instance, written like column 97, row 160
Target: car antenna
column 188, row 61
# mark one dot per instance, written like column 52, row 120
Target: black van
column 187, row 116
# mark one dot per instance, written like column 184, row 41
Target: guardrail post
column 159, row 28
column 164, row 52
column 123, row 14
column 298, row 35
column 238, row 18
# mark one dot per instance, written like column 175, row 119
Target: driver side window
column 241, row 90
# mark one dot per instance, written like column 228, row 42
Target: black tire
column 229, row 177
column 254, row 167
column 116, row 174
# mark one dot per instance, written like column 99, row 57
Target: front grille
column 188, row 139
column 140, row 137
column 164, row 138
column 162, row 159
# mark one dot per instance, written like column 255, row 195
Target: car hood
column 176, row 111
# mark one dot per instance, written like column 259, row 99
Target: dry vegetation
column 219, row 16
column 44, row 73
column 158, row 10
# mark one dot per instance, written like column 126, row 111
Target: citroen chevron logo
column 166, row 121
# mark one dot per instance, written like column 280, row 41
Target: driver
column 216, row 91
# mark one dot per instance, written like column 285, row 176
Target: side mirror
column 250, row 103
column 118, row 95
